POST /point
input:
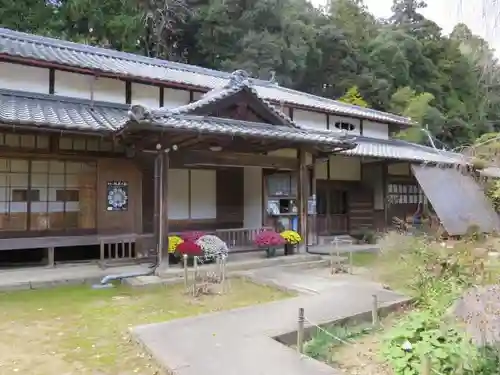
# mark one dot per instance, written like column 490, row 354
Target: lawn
column 77, row 330
column 364, row 258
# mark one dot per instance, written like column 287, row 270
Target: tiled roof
column 17, row 44
column 402, row 150
column 238, row 82
column 223, row 126
column 21, row 108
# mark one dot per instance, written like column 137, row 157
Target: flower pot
column 290, row 249
column 172, row 258
column 271, row 252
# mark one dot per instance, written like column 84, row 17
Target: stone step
column 321, row 263
column 343, row 239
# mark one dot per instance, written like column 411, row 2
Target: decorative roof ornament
column 273, row 78
column 139, row 112
column 238, row 77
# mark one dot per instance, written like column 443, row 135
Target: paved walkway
column 342, row 248
column 240, row 341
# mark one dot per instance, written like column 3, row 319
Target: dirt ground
column 77, row 330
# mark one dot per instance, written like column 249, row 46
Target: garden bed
column 78, row 330
column 353, row 347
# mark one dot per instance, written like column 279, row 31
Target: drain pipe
column 105, row 282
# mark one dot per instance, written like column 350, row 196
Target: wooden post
column 426, row 365
column 163, row 209
column 302, row 196
column 350, row 263
column 186, row 275
column 195, row 275
column 300, row 331
column 375, row 317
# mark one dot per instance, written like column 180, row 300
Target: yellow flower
column 173, row 242
column 290, row 236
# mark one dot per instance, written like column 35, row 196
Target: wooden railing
column 332, row 224
column 122, row 248
column 240, row 239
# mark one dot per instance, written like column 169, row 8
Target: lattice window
column 404, row 194
column 47, row 195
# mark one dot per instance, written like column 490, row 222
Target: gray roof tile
column 36, row 47
column 21, row 108
column 223, row 126
column 402, row 150
column 237, row 83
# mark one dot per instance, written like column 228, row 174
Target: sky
column 482, row 16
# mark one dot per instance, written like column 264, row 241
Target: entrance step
column 241, row 263
column 343, row 239
column 322, row 263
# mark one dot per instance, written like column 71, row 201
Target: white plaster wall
column 203, row 194
column 321, row 170
column 174, row 98
column 24, row 78
column 252, row 193
column 72, row 84
column 80, row 86
column 109, row 90
column 375, row 129
column 284, row 152
column 197, row 95
column 345, row 168
column 178, row 194
column 399, row 169
column 353, row 121
column 147, row 95
column 192, row 194
column 309, row 119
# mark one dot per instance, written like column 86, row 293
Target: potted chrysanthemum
column 213, row 247
column 292, row 239
column 191, row 249
column 270, row 241
column 173, row 243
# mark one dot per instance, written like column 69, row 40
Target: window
column 404, row 194
column 281, row 185
column 342, row 125
column 47, row 195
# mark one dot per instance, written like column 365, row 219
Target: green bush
column 446, row 346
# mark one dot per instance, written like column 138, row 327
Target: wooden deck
column 116, row 249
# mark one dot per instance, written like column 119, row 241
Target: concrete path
column 44, row 277
column 241, row 341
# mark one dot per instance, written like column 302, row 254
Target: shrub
column 192, row 236
column 212, row 247
column 173, row 242
column 189, row 248
column 269, row 239
column 424, row 333
column 291, row 237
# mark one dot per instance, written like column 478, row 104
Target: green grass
column 78, row 330
column 364, row 258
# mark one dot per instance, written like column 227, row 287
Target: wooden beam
column 235, row 159
column 302, row 196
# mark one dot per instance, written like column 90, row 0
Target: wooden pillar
column 314, row 227
column 386, row 196
column 163, row 167
column 302, row 196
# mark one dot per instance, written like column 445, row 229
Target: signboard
column 311, row 205
column 117, row 196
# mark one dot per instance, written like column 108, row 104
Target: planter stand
column 271, row 252
column 290, row 249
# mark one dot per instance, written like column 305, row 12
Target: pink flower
column 269, row 239
column 192, row 236
column 189, row 248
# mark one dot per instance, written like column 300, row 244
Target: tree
column 352, row 96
